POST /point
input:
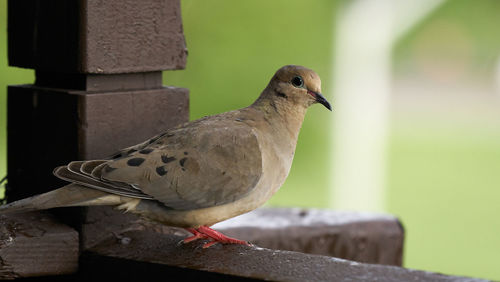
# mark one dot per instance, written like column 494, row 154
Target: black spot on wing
column 182, row 161
column 146, row 151
column 161, row 170
column 185, row 153
column 131, row 151
column 135, row 161
column 166, row 159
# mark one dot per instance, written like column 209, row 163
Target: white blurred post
column 497, row 77
column 365, row 35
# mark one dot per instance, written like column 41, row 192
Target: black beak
column 321, row 99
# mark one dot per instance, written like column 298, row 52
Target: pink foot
column 196, row 235
column 205, row 232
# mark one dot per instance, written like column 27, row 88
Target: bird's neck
column 280, row 112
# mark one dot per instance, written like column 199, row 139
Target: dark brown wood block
column 100, row 82
column 44, row 34
column 111, row 36
column 35, row 244
column 49, row 127
column 362, row 237
column 133, row 36
column 115, row 120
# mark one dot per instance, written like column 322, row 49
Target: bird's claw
column 205, row 232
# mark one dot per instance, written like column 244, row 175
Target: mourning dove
column 201, row 172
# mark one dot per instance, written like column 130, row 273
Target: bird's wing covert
column 200, row 165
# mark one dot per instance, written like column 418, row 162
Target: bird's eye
column 297, row 81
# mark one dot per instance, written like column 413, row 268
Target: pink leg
column 205, row 232
column 219, row 237
column 196, row 235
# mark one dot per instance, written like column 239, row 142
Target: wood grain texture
column 133, row 36
column 96, row 37
column 35, row 244
column 356, row 236
column 146, row 252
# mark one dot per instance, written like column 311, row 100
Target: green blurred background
column 443, row 158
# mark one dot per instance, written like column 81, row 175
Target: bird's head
column 297, row 85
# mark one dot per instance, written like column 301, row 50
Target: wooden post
column 98, row 82
column 98, row 88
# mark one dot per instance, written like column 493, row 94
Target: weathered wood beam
column 164, row 259
column 148, row 253
column 134, row 248
column 36, row 244
column 361, row 237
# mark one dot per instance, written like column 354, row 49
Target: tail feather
column 74, row 172
column 67, row 196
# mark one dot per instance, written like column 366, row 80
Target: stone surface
column 362, row 237
column 112, row 36
column 35, row 244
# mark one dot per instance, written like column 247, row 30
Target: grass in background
column 444, row 169
column 444, row 186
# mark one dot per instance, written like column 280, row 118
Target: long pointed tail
column 67, row 196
